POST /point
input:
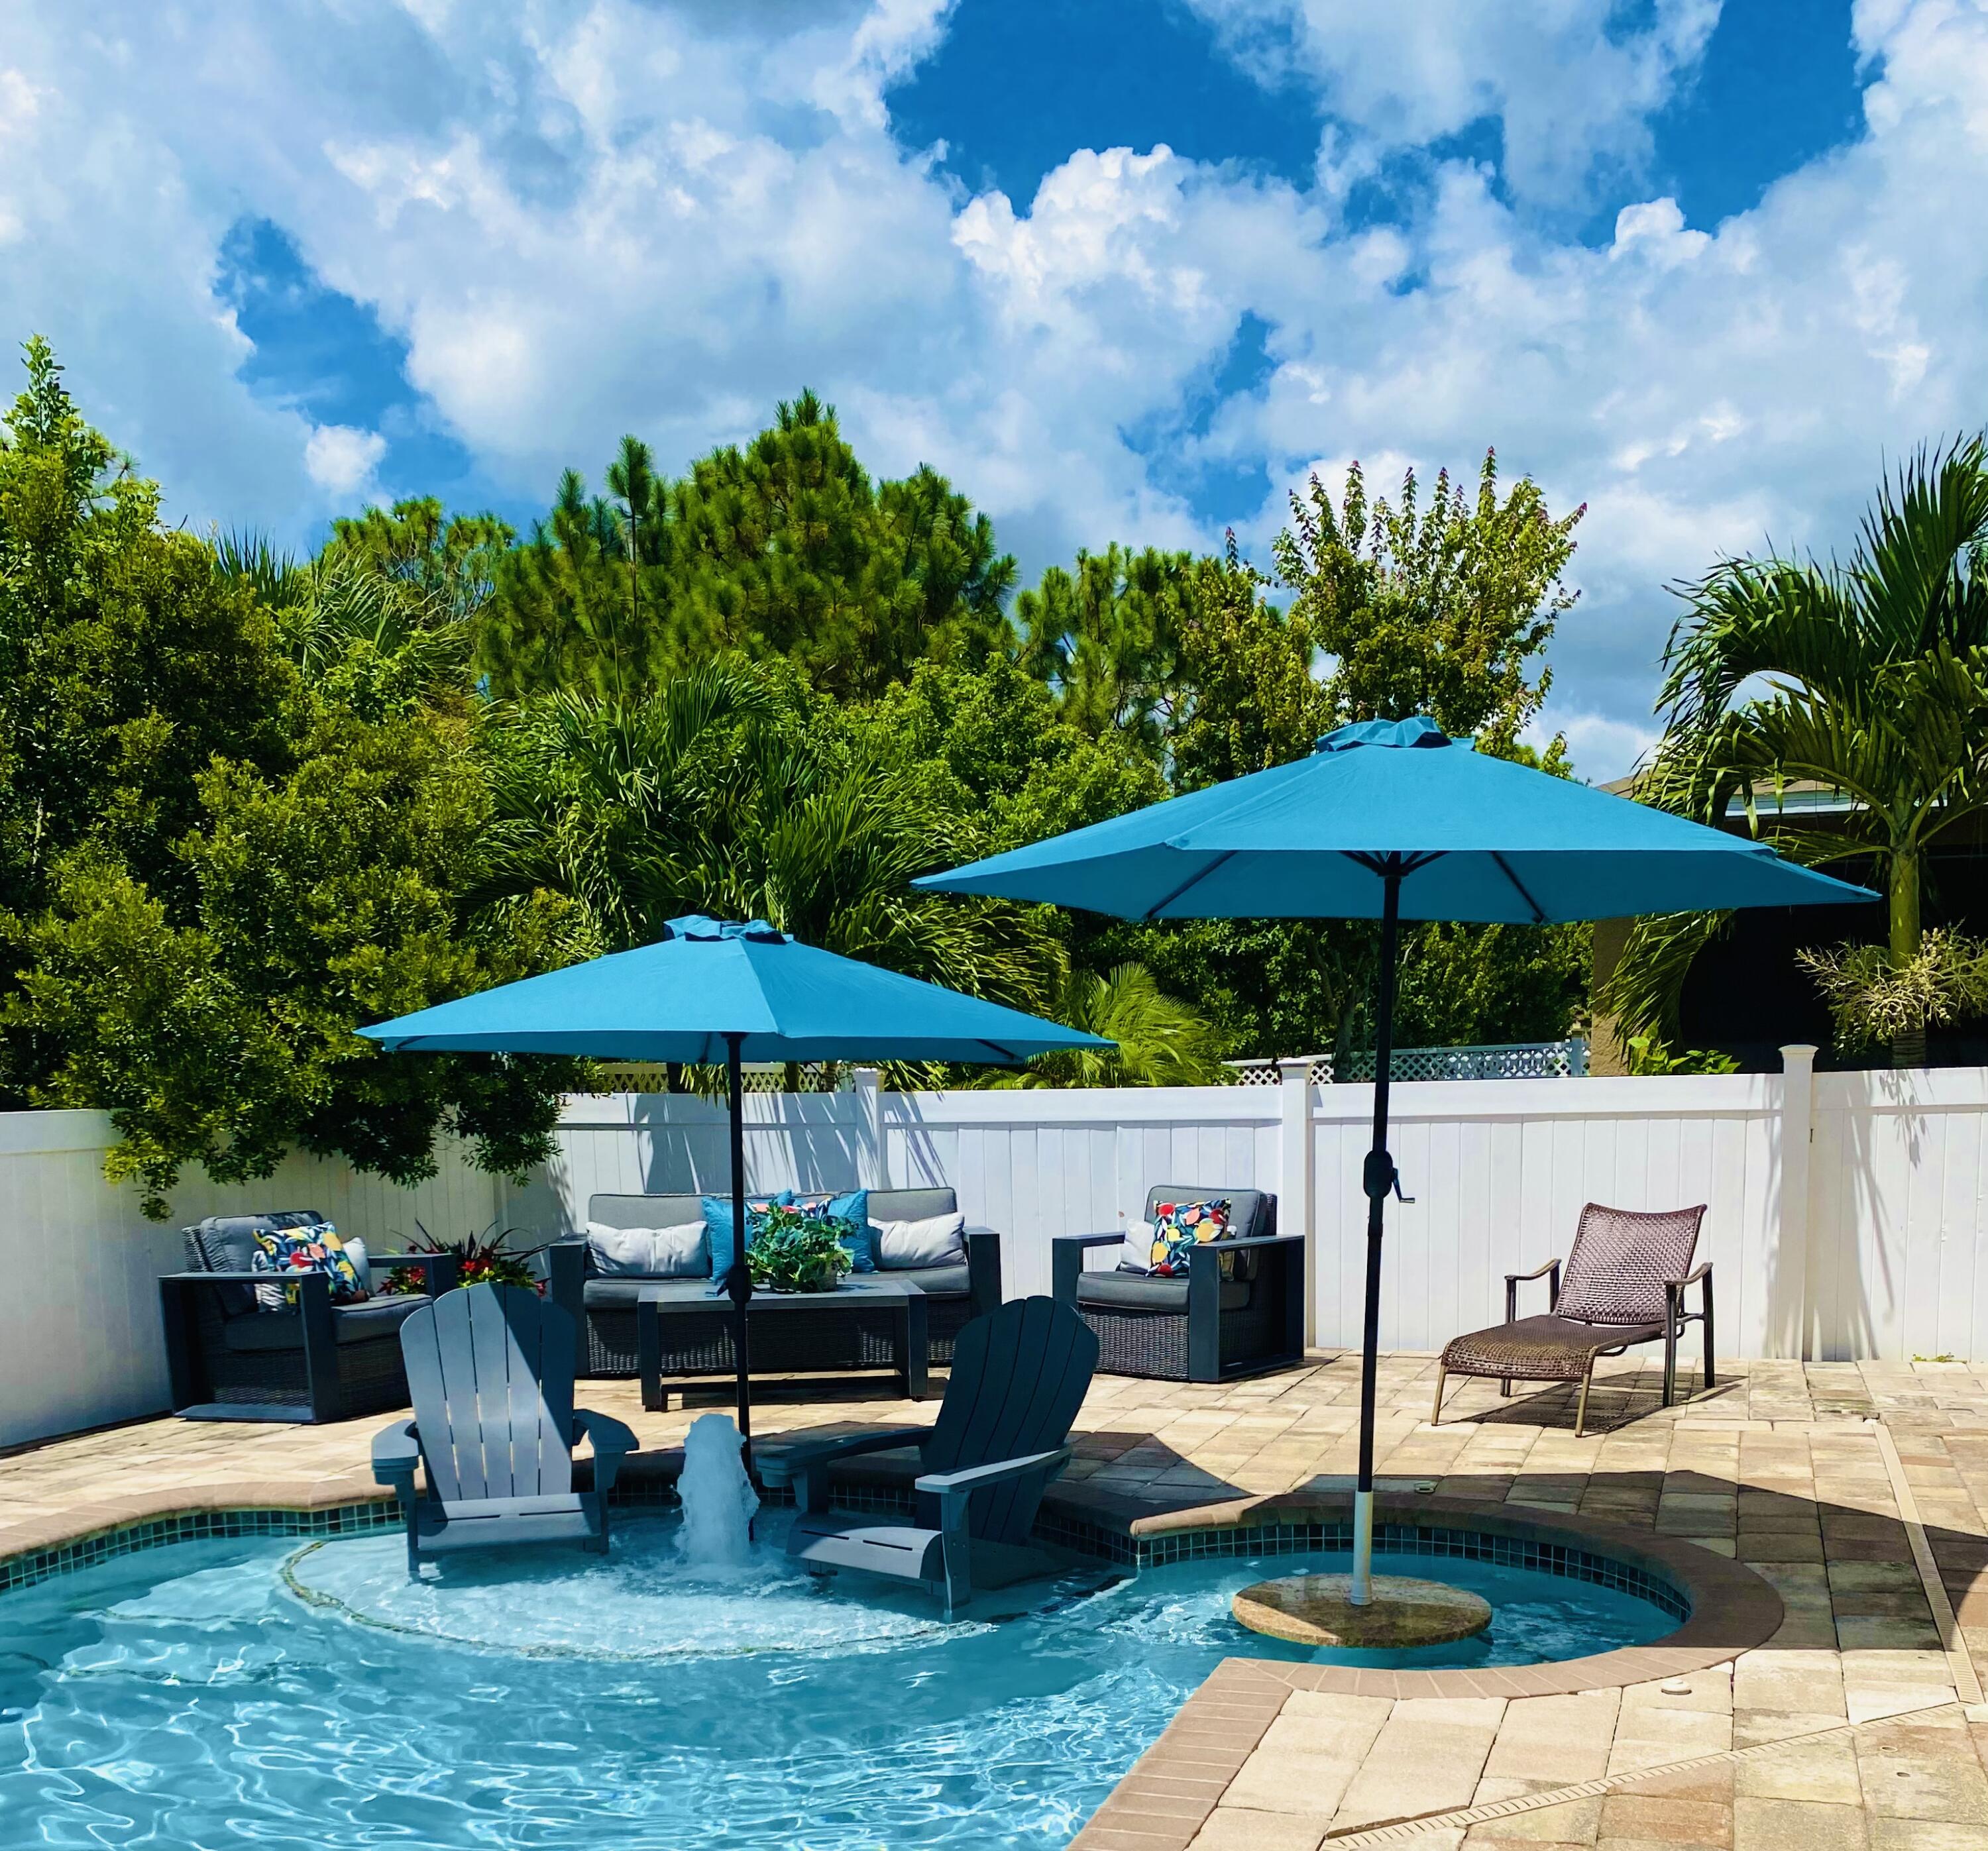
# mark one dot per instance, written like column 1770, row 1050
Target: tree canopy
column 251, row 801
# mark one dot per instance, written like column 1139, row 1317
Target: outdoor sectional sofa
column 1220, row 1321
column 833, row 1340
column 230, row 1359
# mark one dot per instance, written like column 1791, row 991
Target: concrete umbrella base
column 1313, row 1610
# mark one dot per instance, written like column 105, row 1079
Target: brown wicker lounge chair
column 1624, row 1284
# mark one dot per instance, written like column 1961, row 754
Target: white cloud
column 660, row 218
column 341, row 460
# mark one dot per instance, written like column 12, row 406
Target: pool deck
column 1854, row 1489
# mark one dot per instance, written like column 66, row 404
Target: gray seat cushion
column 623, row 1292
column 1135, row 1292
column 349, row 1324
column 938, row 1282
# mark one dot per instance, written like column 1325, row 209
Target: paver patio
column 1853, row 1726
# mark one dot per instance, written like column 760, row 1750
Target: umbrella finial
column 1418, row 730
column 696, row 925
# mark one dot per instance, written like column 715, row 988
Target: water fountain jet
column 718, row 1500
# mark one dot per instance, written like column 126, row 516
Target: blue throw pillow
column 852, row 1209
column 717, row 1224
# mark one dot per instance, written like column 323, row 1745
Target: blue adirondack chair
column 490, row 1373
column 1018, row 1375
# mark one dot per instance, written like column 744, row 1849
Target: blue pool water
column 273, row 1694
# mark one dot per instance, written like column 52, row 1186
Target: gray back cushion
column 226, row 1243
column 1253, row 1212
column 645, row 1210
column 912, row 1205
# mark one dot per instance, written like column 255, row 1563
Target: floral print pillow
column 1180, row 1226
column 312, row 1248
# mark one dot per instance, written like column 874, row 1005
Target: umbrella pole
column 1379, row 1179
column 739, row 1281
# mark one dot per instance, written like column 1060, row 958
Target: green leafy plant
column 1649, row 1055
column 481, row 1259
column 1875, row 999
column 792, row 1252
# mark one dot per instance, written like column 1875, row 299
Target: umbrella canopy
column 1488, row 840
column 706, row 981
column 712, row 991
column 1391, row 819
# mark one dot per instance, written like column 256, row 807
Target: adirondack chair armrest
column 396, row 1453
column 613, row 1440
column 974, row 1478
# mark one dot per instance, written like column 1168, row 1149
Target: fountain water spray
column 718, row 1499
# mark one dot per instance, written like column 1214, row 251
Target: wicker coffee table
column 871, row 1292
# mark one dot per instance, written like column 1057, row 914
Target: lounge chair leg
column 1504, row 1388
column 1436, row 1413
column 1581, row 1409
column 1705, row 1289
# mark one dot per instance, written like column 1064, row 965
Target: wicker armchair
column 1624, row 1284
column 1211, row 1326
column 843, row 1342
column 229, row 1359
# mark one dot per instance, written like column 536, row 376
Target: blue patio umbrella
column 710, row 991
column 1392, row 820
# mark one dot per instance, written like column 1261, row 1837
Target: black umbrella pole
column 1379, row 1179
column 739, row 1281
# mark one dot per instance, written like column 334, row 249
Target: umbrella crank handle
column 1381, row 1176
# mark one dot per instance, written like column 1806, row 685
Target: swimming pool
column 225, row 1693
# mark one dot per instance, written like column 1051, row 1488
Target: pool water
column 275, row 1693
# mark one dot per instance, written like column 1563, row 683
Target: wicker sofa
column 862, row 1338
column 229, row 1358
column 1208, row 1327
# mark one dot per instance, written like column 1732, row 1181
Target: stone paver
column 1846, row 1729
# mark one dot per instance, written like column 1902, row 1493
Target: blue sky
column 1012, row 88
column 1697, row 265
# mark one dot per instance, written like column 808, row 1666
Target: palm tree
column 1161, row 1041
column 716, row 795
column 1876, row 687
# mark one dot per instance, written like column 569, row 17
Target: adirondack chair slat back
column 490, row 1372
column 1018, row 1376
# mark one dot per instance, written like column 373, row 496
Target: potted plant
column 481, row 1259
column 793, row 1251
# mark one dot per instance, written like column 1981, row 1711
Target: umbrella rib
column 1193, row 880
column 1505, row 868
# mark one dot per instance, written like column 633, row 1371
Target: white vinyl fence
column 1846, row 1212
column 80, row 1330
column 1845, row 1218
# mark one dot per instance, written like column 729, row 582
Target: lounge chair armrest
column 222, row 1278
column 613, row 1440
column 1066, row 1252
column 397, row 1452
column 781, row 1467
column 1549, row 1272
column 438, row 1270
column 1255, row 1240
column 974, row 1476
column 1703, row 1271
